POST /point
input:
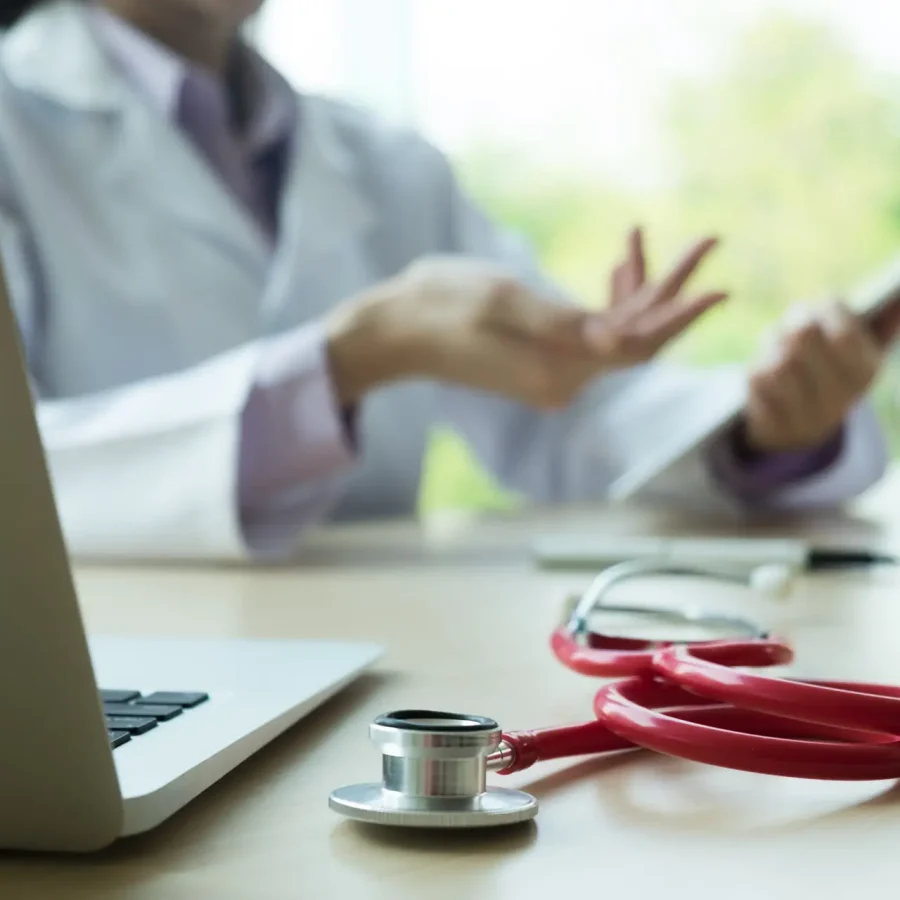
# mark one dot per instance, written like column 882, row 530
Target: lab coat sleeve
column 149, row 469
column 861, row 462
column 298, row 444
column 577, row 454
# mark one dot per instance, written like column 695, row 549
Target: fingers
column 804, row 389
column 636, row 255
column 672, row 283
column 617, row 290
column 769, row 422
column 624, row 335
column 627, row 342
column 853, row 350
column 821, row 369
column 816, row 371
column 629, row 276
column 833, row 355
column 665, row 323
column 634, row 268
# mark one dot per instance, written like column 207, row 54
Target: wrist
column 369, row 345
column 744, row 446
column 751, row 449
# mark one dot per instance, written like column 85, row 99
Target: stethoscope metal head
column 434, row 769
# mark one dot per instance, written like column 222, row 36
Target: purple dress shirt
column 293, row 430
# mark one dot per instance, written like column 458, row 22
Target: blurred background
column 773, row 123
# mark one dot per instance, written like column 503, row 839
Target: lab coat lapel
column 156, row 167
column 323, row 209
column 137, row 156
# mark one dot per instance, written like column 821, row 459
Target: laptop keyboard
column 130, row 714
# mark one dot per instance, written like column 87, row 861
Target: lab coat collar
column 323, row 195
column 53, row 52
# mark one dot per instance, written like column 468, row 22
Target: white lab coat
column 143, row 293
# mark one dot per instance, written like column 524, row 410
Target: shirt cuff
column 293, row 431
column 753, row 476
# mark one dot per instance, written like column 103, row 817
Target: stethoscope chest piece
column 434, row 769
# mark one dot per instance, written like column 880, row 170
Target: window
column 774, row 123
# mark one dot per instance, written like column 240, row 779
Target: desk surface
column 465, row 619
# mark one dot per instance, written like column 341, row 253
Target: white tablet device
column 686, row 421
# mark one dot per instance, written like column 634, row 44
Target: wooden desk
column 465, row 619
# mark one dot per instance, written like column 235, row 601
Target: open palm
column 643, row 315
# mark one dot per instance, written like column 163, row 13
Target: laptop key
column 132, row 725
column 117, row 738
column 119, row 696
column 174, row 698
column 160, row 713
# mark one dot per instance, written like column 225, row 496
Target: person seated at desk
column 242, row 309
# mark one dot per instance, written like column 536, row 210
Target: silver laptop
column 109, row 738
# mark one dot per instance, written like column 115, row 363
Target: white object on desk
column 593, row 551
column 667, row 437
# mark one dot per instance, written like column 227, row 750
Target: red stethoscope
column 691, row 700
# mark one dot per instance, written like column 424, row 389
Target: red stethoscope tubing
column 691, row 702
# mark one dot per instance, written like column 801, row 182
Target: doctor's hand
column 638, row 307
column 800, row 396
column 472, row 323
